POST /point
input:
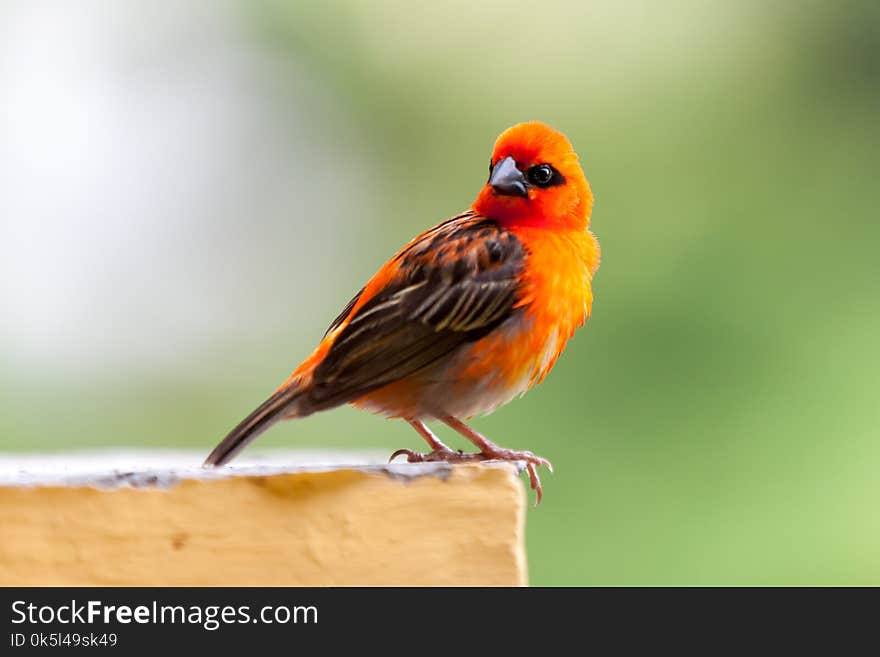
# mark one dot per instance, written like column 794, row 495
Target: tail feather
column 276, row 408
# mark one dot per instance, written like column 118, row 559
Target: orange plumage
column 467, row 315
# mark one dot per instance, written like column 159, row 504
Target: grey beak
column 507, row 180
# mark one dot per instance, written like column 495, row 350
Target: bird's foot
column 532, row 461
column 446, row 455
column 493, row 453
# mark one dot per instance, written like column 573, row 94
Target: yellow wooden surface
column 339, row 526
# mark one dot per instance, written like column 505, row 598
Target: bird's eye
column 541, row 175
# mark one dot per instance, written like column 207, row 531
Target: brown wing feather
column 454, row 284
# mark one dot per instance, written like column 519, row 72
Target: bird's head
column 535, row 179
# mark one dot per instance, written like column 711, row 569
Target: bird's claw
column 411, row 456
column 535, row 482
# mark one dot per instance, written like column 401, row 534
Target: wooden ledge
column 158, row 519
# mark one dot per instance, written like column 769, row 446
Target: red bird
column 468, row 315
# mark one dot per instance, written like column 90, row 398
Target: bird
column 465, row 317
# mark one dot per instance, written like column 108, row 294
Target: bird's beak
column 507, row 180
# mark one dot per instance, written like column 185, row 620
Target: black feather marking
column 344, row 313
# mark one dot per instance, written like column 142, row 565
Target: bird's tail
column 282, row 404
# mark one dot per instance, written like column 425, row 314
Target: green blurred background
column 191, row 193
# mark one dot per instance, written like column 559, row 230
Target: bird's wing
column 451, row 285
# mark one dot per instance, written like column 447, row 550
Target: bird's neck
column 505, row 218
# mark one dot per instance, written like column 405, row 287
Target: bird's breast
column 556, row 291
column 556, row 298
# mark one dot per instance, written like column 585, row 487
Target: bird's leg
column 489, row 451
column 439, row 451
